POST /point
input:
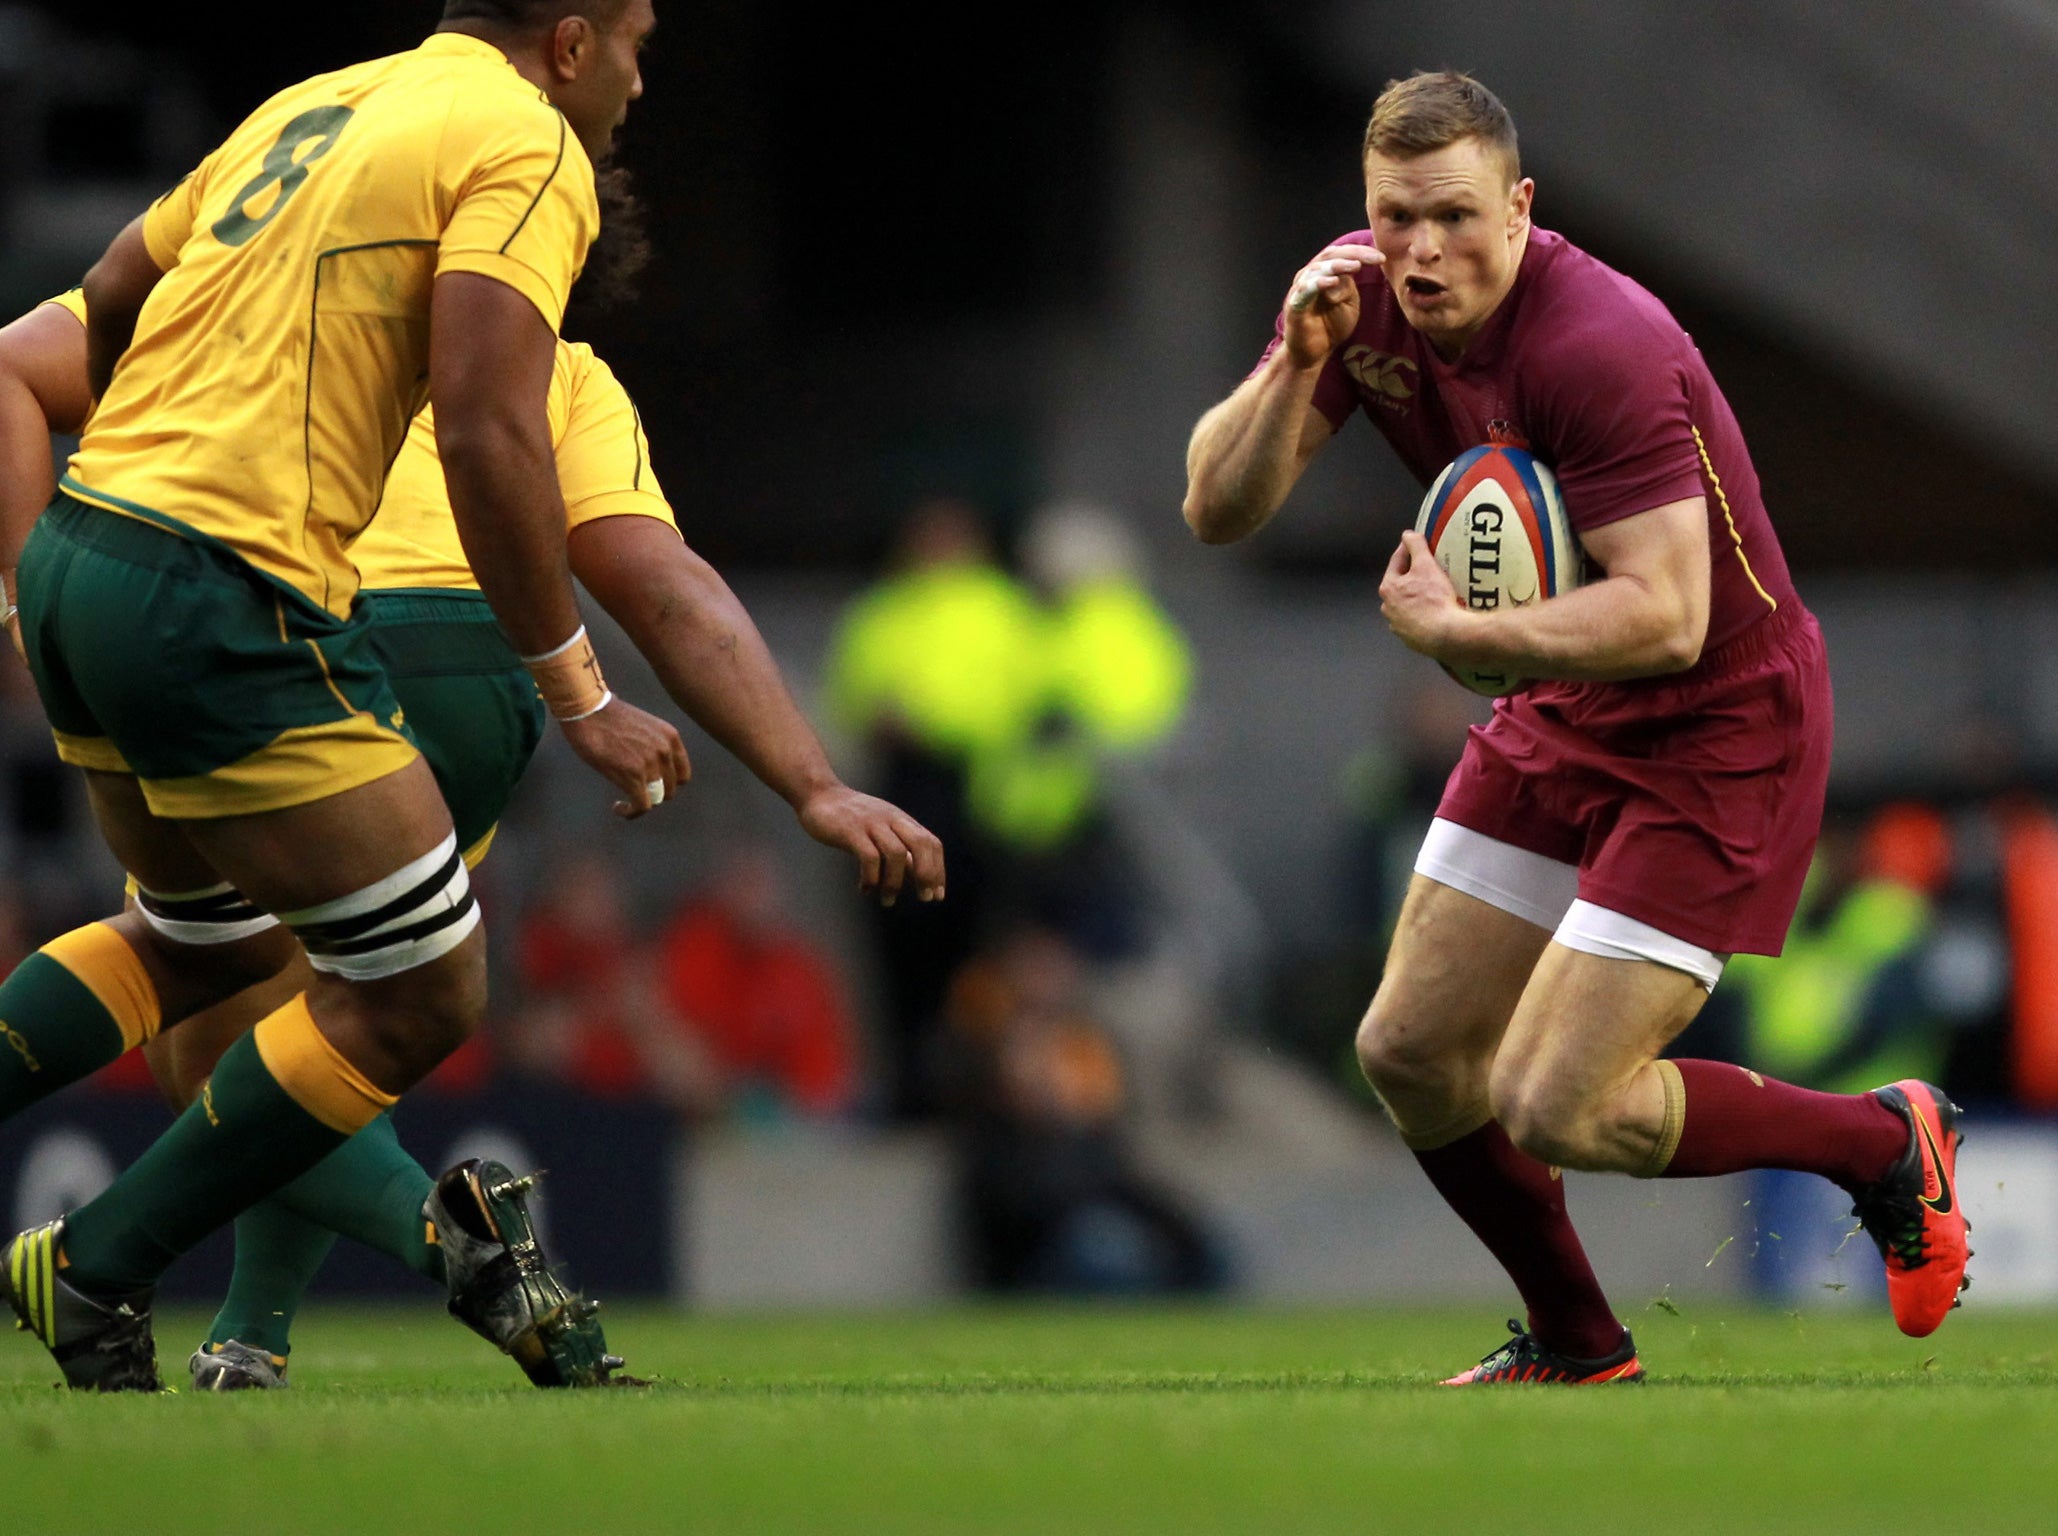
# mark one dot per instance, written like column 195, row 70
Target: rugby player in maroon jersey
column 1616, row 832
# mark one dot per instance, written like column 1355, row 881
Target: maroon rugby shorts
column 1691, row 803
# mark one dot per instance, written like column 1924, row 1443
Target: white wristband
column 607, row 697
column 557, row 650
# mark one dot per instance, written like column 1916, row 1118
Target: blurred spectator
column 1390, row 791
column 928, row 667
column 592, row 1015
column 1052, row 1199
column 991, row 711
column 728, row 1011
column 1114, row 675
column 758, row 996
column 1857, row 999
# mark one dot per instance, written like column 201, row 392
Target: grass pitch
column 1059, row 1420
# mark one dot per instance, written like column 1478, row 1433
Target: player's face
column 596, row 99
column 1453, row 230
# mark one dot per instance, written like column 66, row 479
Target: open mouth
column 1423, row 288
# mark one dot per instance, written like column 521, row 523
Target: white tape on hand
column 1309, row 288
column 656, row 790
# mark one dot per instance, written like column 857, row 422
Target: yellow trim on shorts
column 315, row 1075
column 95, row 752
column 475, row 855
column 113, row 972
column 297, row 767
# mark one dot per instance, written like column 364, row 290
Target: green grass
column 1059, row 1420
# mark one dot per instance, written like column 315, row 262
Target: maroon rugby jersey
column 1593, row 375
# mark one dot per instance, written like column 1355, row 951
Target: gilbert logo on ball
column 1497, row 526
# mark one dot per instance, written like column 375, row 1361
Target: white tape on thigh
column 416, row 914
column 1595, row 930
column 221, row 914
column 1524, row 884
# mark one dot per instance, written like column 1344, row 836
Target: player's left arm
column 42, row 390
column 683, row 617
column 1646, row 614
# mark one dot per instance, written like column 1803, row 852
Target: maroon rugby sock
column 1736, row 1119
column 1516, row 1206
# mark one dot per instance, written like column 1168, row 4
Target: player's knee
column 200, row 973
column 448, row 1002
column 252, row 961
column 1543, row 1123
column 416, row 1018
column 1397, row 1059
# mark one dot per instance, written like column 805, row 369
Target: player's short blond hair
column 1432, row 109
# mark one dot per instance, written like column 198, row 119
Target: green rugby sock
column 245, row 1136
column 277, row 1256
column 67, row 1011
column 369, row 1189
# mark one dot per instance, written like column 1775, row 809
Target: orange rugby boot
column 1913, row 1214
column 1523, row 1359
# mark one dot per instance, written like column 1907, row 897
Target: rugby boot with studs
column 501, row 1286
column 1913, row 1213
column 1524, row 1360
column 233, row 1366
column 101, row 1345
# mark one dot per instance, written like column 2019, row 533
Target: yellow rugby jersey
column 603, row 468
column 277, row 365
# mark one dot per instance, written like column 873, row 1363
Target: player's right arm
column 522, row 216
column 626, row 550
column 1248, row 453
column 490, row 357
column 693, row 630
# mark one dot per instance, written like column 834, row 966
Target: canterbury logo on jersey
column 1381, row 376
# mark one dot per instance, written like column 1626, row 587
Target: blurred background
column 932, row 312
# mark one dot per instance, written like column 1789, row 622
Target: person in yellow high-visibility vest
column 1113, row 677
column 1842, row 1005
column 990, row 711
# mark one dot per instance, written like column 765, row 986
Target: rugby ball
column 1498, row 528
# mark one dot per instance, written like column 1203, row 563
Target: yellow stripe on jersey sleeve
column 603, row 458
column 528, row 211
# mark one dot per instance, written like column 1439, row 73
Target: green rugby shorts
column 160, row 653
column 471, row 704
